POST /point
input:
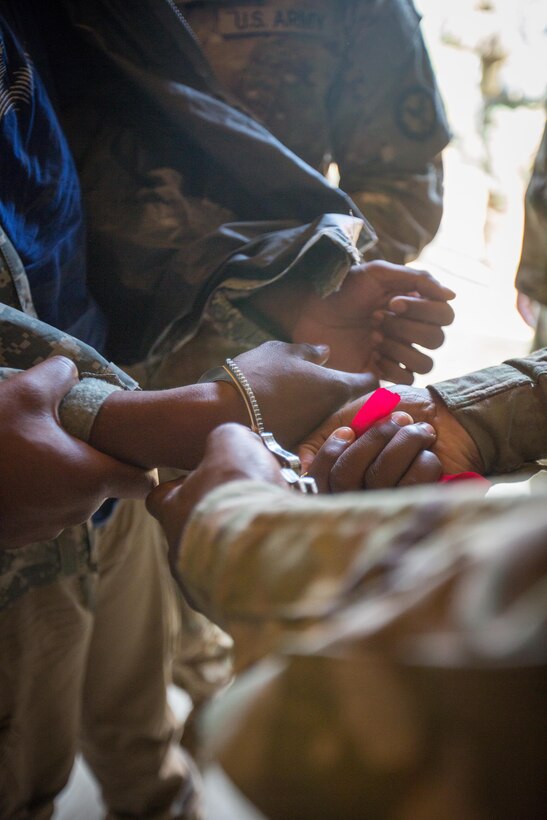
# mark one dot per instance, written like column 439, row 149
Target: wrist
column 164, row 428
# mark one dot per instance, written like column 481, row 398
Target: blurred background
column 490, row 57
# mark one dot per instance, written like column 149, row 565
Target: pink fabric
column 464, row 477
column 379, row 405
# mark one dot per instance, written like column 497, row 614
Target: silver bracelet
column 291, row 467
column 246, row 391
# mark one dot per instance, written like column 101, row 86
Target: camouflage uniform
column 403, row 631
column 181, row 223
column 407, row 664
column 192, row 203
column 24, row 342
column 348, row 82
column 532, row 273
column 76, row 602
column 73, row 629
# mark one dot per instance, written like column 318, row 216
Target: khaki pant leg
column 129, row 735
column 44, row 638
column 202, row 652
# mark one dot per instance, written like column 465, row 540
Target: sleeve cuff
column 80, row 406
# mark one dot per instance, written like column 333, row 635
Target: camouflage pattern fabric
column 14, row 285
column 503, row 410
column 317, row 76
column 532, row 273
column 173, row 212
column 24, row 342
column 44, row 562
column 407, row 651
column 531, row 276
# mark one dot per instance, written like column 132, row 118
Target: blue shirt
column 40, row 199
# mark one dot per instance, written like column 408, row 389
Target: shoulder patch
column 416, row 113
column 252, row 21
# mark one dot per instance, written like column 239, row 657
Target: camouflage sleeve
column 504, row 409
column 532, row 272
column 390, row 128
column 26, row 341
column 80, row 406
column 265, row 563
column 417, row 679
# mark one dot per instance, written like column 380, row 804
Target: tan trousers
column 72, row 675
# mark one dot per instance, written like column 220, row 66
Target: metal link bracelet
column 291, row 467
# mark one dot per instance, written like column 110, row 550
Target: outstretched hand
column 454, row 447
column 373, row 322
column 50, row 480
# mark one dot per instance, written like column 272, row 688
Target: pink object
column 380, row 404
column 463, row 477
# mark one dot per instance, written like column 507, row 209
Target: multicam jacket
column 190, row 198
column 404, row 646
column 396, row 639
column 343, row 82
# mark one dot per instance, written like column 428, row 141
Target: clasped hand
column 51, row 480
column 394, row 452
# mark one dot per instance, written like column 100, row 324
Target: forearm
column 503, row 409
column 164, row 428
column 264, row 562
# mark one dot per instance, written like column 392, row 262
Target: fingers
column 328, row 455
column 422, row 310
column 381, row 456
column 528, row 309
column 428, row 286
column 171, row 504
column 234, row 452
column 410, row 331
column 397, row 362
column 425, row 469
column 162, row 495
column 413, row 360
column 117, row 480
column 402, row 279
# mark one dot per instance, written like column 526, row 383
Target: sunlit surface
column 477, row 249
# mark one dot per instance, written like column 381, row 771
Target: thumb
column 160, row 495
column 52, row 380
